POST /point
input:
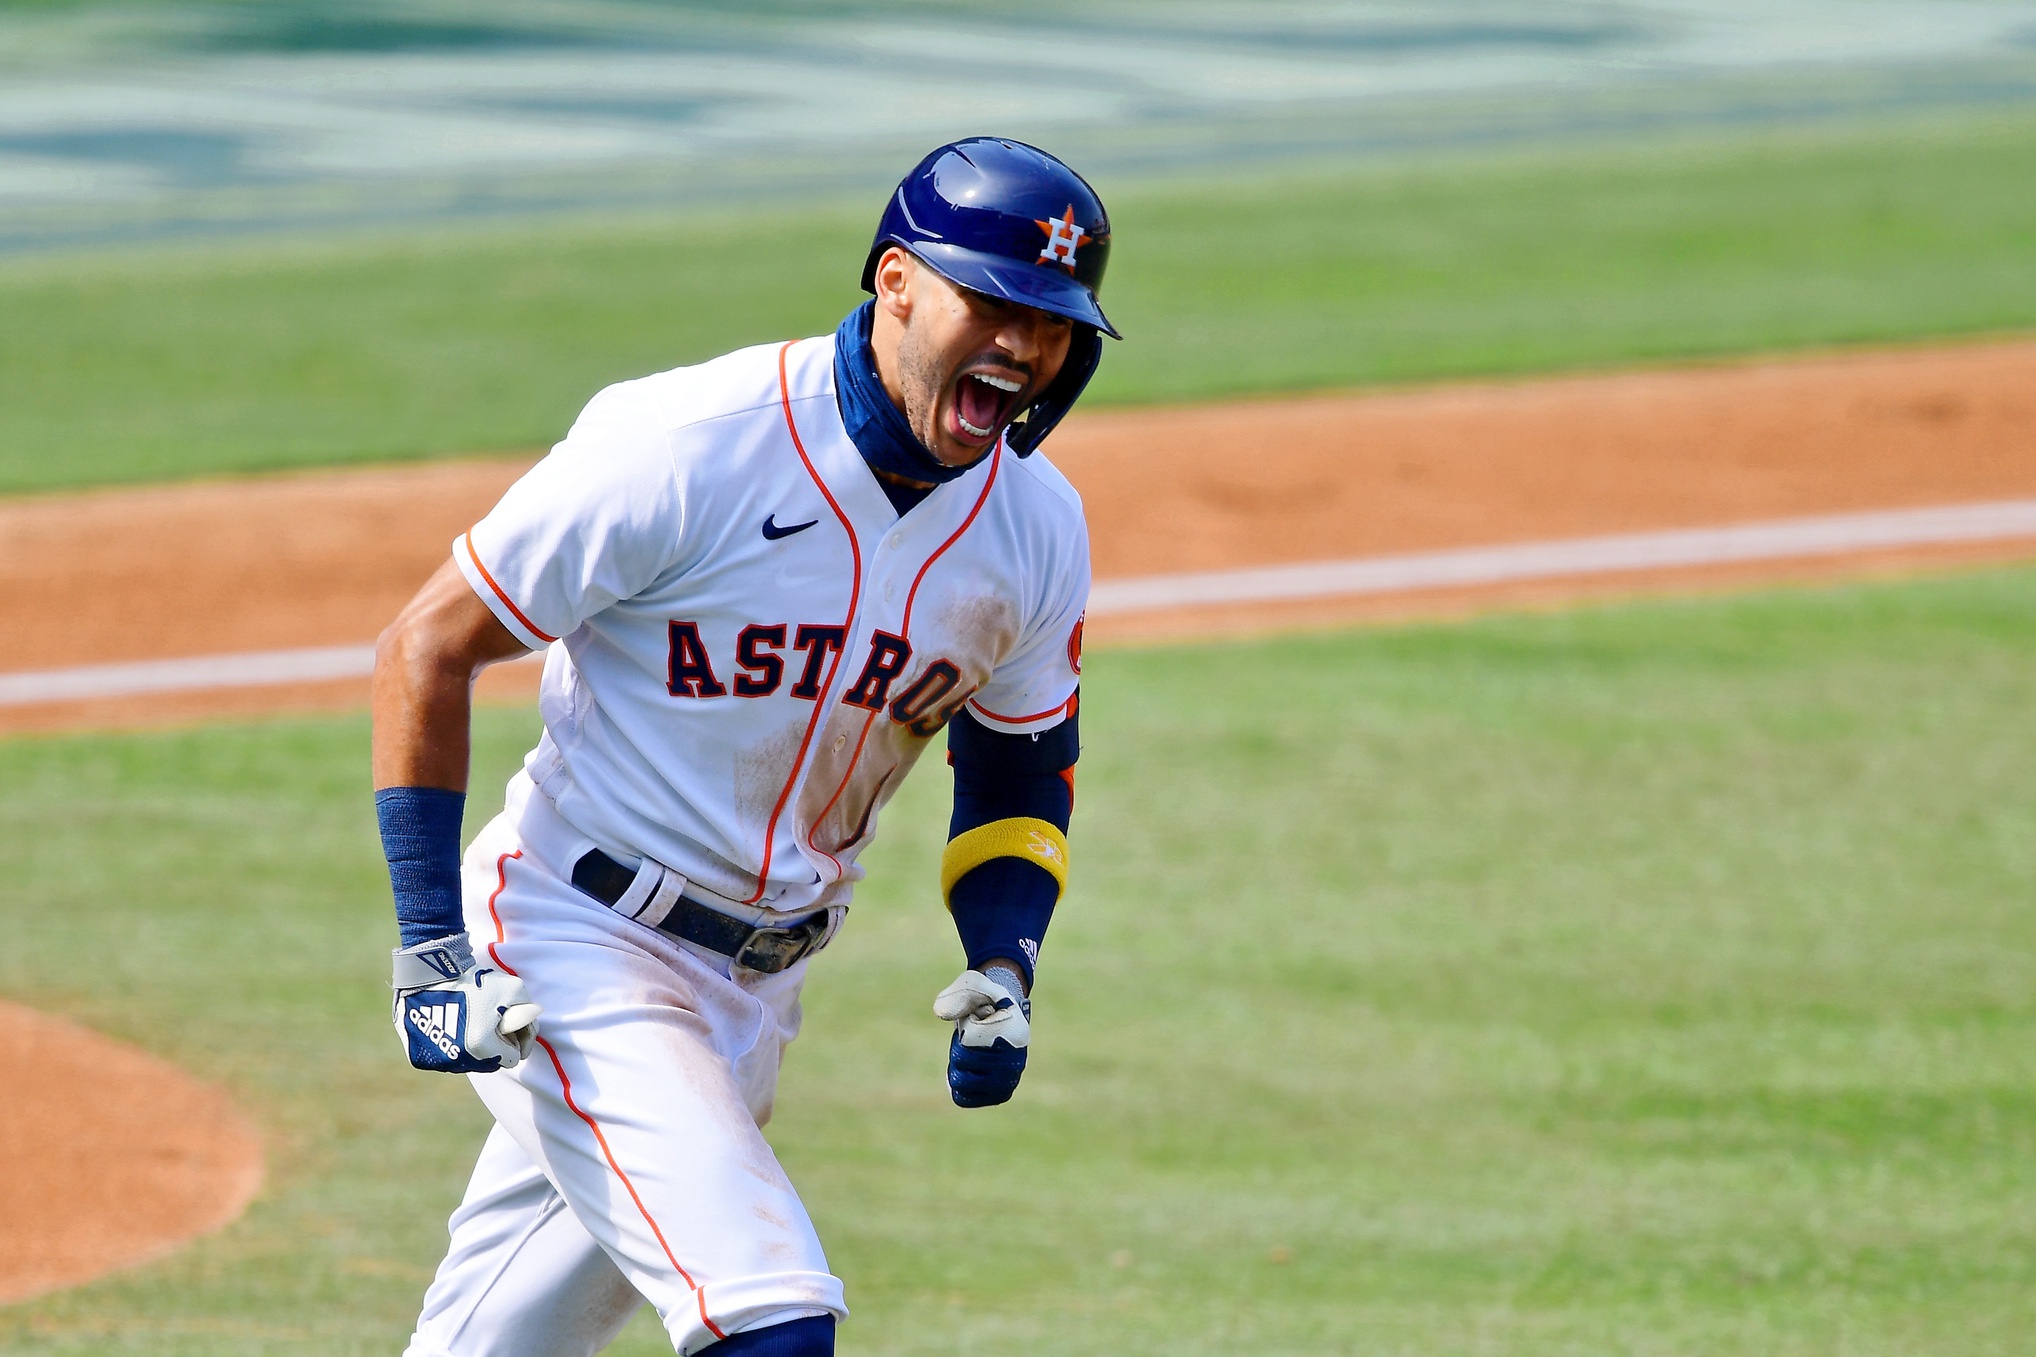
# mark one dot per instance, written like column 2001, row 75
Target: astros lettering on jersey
column 755, row 647
column 762, row 591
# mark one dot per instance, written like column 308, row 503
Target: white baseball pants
column 626, row 1163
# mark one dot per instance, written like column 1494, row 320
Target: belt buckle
column 770, row 950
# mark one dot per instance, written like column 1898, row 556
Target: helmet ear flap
column 1084, row 353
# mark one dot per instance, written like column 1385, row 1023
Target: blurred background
column 1627, row 958
column 147, row 121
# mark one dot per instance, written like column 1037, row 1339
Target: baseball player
column 763, row 585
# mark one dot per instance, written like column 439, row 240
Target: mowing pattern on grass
column 175, row 363
column 1652, row 979
column 181, row 117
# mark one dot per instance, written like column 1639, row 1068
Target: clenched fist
column 992, row 1028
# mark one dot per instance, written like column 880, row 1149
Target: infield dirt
column 108, row 1156
column 328, row 558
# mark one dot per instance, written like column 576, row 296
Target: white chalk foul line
column 1774, row 540
column 252, row 670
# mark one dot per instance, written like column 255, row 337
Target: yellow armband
column 1039, row 842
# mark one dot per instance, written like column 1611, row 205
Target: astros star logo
column 1062, row 237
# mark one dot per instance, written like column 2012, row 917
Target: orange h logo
column 1062, row 236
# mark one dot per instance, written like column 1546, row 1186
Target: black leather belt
column 770, row 949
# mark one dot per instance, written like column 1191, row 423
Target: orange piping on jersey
column 1062, row 709
column 507, row 601
column 1067, row 775
column 911, row 596
column 566, row 1087
column 847, row 631
column 501, row 884
column 853, row 759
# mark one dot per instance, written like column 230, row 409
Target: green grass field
column 244, row 355
column 1643, row 980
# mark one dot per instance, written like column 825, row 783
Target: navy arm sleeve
column 1001, row 908
column 421, row 839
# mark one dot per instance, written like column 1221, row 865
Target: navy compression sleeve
column 421, row 839
column 1005, row 904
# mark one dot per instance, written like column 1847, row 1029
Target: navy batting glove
column 992, row 1031
column 983, row 1076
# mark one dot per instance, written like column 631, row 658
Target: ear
column 895, row 273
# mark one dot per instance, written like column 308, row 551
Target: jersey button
column 897, row 541
column 890, row 590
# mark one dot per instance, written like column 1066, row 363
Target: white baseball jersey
column 749, row 648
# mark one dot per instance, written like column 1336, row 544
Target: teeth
column 971, row 429
column 1001, row 383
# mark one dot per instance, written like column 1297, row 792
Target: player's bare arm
column 765, row 586
column 454, row 1013
column 425, row 665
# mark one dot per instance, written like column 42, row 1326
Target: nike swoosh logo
column 773, row 532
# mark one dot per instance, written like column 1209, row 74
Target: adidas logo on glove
column 437, row 1017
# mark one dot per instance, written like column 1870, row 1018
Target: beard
column 921, row 379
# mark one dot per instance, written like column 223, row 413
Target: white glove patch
column 982, row 1010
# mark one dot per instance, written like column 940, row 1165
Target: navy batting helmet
column 1008, row 220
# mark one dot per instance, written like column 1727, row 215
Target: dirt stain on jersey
column 980, row 630
column 860, row 755
column 863, row 756
column 761, row 772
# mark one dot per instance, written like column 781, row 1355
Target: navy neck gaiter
column 876, row 426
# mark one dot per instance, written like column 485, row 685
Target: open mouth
column 983, row 403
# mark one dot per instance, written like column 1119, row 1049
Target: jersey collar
column 839, row 460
